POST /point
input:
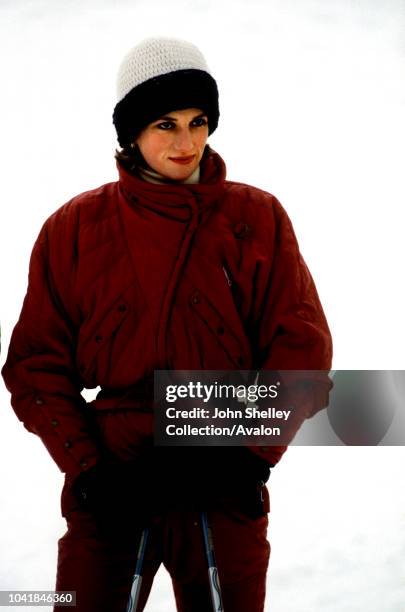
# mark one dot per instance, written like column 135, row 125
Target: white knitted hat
column 160, row 75
column 156, row 56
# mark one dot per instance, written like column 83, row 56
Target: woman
column 170, row 267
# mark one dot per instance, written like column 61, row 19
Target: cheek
column 152, row 146
column 202, row 138
column 152, row 150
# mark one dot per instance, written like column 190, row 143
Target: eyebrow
column 168, row 118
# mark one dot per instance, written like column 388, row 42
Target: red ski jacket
column 133, row 277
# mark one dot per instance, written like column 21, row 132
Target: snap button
column 195, row 297
column 241, row 230
column 54, row 422
column 39, row 401
column 83, row 464
column 68, row 444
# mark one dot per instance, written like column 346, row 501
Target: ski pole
column 137, row 578
column 213, row 578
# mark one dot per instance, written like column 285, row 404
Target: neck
column 151, row 176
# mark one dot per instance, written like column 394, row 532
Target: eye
column 165, row 125
column 199, row 122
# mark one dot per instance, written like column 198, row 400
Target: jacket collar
column 150, row 176
column 178, row 197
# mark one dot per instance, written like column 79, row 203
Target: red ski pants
column 101, row 574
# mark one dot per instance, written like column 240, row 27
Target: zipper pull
column 227, row 276
column 261, row 491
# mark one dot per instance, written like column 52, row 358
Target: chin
column 179, row 174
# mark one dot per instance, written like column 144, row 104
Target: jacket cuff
column 64, row 434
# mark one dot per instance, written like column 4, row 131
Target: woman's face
column 173, row 144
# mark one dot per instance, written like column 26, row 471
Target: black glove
column 119, row 495
column 217, row 478
column 124, row 497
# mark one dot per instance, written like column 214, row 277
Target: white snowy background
column 312, row 99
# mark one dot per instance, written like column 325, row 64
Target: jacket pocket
column 218, row 327
column 95, row 344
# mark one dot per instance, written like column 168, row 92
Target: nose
column 183, row 141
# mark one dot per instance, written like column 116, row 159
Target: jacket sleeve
column 291, row 332
column 40, row 371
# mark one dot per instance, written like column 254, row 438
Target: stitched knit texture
column 156, row 56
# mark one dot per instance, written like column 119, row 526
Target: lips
column 182, row 160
